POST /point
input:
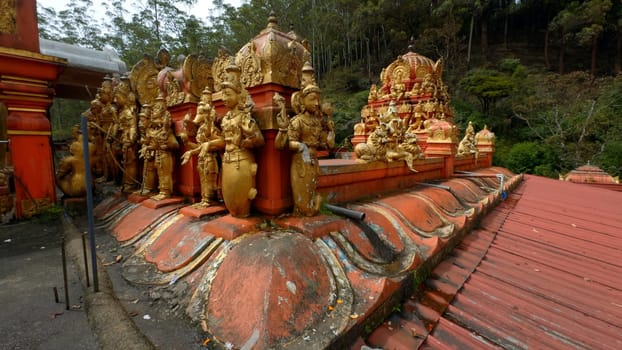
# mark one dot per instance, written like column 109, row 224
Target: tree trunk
column 547, row 63
column 617, row 65
column 594, row 50
column 470, row 39
column 562, row 48
column 484, row 35
column 505, row 31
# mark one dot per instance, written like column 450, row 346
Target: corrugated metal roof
column 543, row 271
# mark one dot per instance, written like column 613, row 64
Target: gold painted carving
column 32, row 207
column 390, row 142
column 70, row 172
column 467, row 146
column 126, row 129
column 250, row 64
column 240, row 134
column 197, row 76
column 218, row 68
column 208, row 141
column 157, row 150
column 8, row 17
column 144, row 80
column 308, row 131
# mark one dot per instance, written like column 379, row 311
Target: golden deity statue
column 391, row 141
column 467, row 146
column 127, row 130
column 209, row 140
column 241, row 134
column 107, row 118
column 71, row 171
column 305, row 134
column 157, row 150
column 415, row 122
column 96, row 137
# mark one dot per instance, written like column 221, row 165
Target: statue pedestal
column 356, row 139
column 198, row 213
column 445, row 150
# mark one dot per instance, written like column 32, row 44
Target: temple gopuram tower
column 413, row 84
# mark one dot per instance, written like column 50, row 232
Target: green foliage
column 558, row 121
column 488, row 85
column 49, row 215
column 533, row 158
column 65, row 114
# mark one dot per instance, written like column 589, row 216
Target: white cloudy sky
column 200, row 9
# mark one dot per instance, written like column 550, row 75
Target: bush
column 532, row 158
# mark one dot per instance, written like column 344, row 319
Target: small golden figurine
column 208, row 141
column 467, row 146
column 158, row 147
column 241, row 134
column 305, row 135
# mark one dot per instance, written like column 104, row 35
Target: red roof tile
column 543, row 271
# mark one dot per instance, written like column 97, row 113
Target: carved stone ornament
column 467, row 145
column 8, row 17
column 144, row 80
column 250, row 64
column 218, row 68
column 197, row 72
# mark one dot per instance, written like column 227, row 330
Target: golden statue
column 398, row 88
column 306, row 133
column 240, row 133
column 416, row 90
column 359, row 128
column 107, row 118
column 157, row 150
column 97, row 138
column 428, row 86
column 408, row 151
column 389, row 142
column 208, row 142
column 373, row 93
column 375, row 147
column 127, row 130
column 467, row 146
column 71, row 171
column 415, row 122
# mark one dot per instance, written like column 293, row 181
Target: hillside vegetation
column 542, row 74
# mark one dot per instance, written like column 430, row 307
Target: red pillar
column 28, row 129
column 25, row 77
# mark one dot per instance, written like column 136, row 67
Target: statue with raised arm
column 306, row 133
column 208, row 141
column 240, row 134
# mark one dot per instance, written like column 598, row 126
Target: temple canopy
column 85, row 68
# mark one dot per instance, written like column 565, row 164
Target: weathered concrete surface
column 30, row 267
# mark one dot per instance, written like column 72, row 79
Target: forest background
column 544, row 75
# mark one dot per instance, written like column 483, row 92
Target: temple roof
column 589, row 174
column 85, row 70
column 542, row 271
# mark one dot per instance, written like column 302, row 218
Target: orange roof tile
column 543, row 271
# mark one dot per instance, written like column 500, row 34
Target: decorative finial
column 272, row 21
column 411, row 44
